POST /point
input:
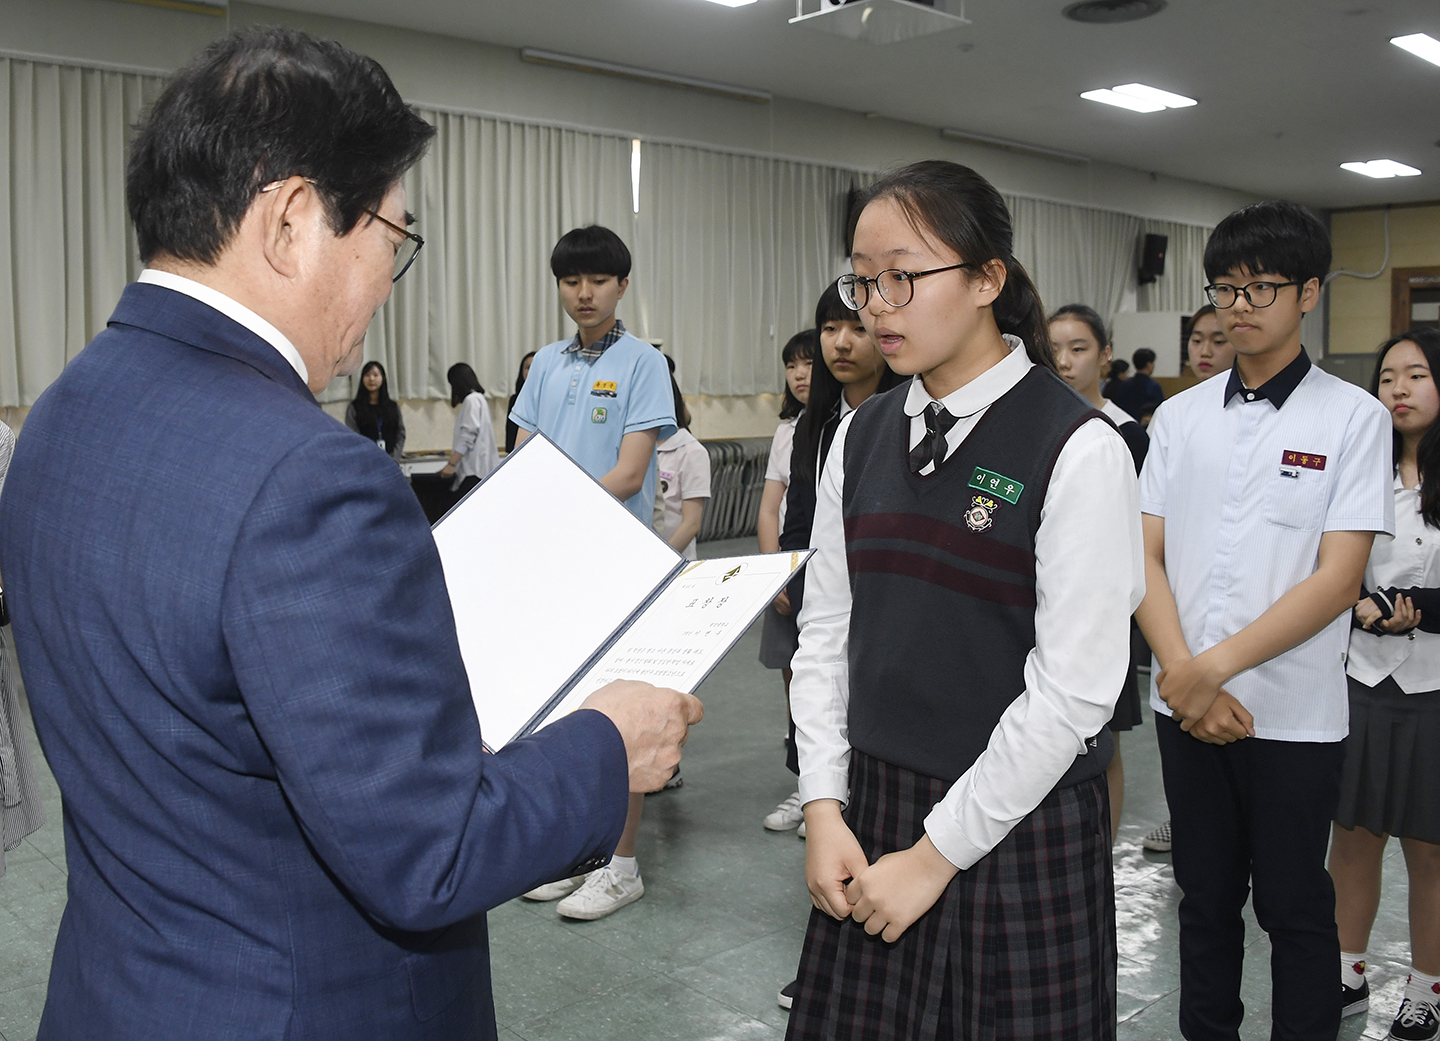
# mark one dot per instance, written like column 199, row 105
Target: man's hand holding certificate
column 648, row 719
column 559, row 545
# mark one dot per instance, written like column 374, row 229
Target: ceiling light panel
column 1381, row 168
column 1421, row 45
column 1137, row 97
column 732, row 3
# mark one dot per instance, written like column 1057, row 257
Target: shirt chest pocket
column 1295, row 498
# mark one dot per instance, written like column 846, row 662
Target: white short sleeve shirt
column 1248, row 481
column 782, row 447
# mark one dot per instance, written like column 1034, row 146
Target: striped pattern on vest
column 942, row 574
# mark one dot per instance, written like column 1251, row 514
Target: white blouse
column 1410, row 559
column 475, row 439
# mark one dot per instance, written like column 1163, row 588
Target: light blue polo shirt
column 586, row 406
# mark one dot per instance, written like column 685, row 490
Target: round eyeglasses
column 895, row 287
column 406, row 251
column 1260, row 294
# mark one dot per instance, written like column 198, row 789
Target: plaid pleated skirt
column 1021, row 945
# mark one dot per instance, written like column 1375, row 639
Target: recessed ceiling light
column 1137, row 97
column 732, row 3
column 1381, row 168
column 1421, row 45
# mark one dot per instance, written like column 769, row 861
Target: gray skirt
column 778, row 639
column 1390, row 784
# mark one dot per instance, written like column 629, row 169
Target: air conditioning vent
column 1111, row 12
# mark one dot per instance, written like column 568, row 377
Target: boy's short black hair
column 1278, row 238
column 591, row 250
column 1143, row 357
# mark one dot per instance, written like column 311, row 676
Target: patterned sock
column 626, row 866
column 1352, row 969
column 1421, row 987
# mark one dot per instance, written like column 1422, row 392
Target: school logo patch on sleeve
column 598, row 415
column 1307, row 460
column 981, row 513
column 1006, row 488
column 604, row 389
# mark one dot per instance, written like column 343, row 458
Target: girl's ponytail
column 1018, row 311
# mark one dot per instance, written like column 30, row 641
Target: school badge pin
column 981, row 513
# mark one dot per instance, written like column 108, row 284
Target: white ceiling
column 1288, row 89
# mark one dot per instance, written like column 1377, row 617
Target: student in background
column 853, row 370
column 473, row 454
column 1206, row 346
column 1082, row 352
column 962, row 645
column 374, row 415
column 780, row 635
column 684, row 480
column 605, row 398
column 1390, row 784
column 511, row 430
column 603, row 395
column 1140, row 394
column 1115, row 378
column 1262, row 494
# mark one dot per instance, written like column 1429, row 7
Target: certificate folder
column 557, row 589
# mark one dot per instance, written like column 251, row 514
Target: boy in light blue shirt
column 603, row 395
column 605, row 398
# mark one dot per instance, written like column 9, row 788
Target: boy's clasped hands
column 1204, row 710
column 887, row 897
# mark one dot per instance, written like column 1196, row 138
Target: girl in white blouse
column 1391, row 780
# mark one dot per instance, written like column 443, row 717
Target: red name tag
column 1308, row 460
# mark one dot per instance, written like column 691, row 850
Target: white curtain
column 1078, row 255
column 67, row 247
column 731, row 250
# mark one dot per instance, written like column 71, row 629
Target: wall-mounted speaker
column 1152, row 258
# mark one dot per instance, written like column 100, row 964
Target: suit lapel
column 183, row 318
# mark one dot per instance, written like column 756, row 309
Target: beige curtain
column 731, row 250
column 66, row 245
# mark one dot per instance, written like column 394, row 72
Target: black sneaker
column 1354, row 1000
column 787, row 994
column 1416, row 1021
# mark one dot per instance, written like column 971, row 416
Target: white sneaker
column 800, row 831
column 1158, row 841
column 604, row 892
column 555, row 890
column 785, row 816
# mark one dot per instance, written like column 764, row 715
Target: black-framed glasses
column 407, row 251
column 896, row 287
column 1260, row 294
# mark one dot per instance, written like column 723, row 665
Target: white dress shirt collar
column 230, row 309
column 981, row 392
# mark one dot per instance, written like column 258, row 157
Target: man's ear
column 623, row 284
column 1309, row 295
column 286, row 216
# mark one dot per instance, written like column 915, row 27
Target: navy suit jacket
column 238, row 646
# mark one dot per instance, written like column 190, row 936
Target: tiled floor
column 719, row 929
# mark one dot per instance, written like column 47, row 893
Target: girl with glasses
column 964, row 639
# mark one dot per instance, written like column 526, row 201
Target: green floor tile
column 658, row 1007
column 20, row 1010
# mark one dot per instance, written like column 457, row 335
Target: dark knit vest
column 942, row 571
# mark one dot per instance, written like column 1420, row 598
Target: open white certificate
column 557, row 589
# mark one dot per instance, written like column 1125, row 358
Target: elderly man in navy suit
column 232, row 620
